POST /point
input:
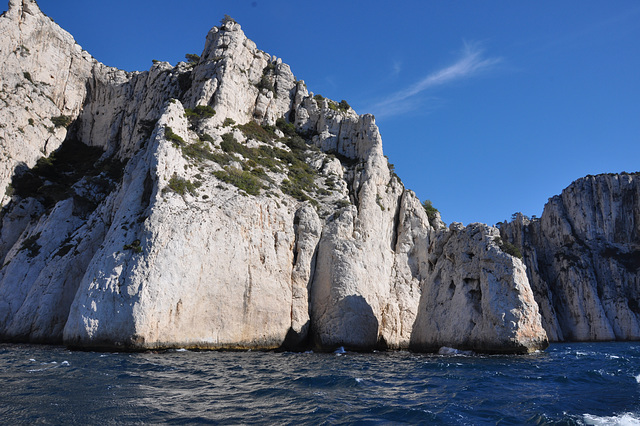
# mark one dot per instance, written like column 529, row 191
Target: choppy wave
column 569, row 384
column 626, row 419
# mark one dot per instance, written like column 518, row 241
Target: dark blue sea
column 575, row 383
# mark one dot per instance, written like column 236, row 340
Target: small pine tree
column 226, row 19
column 192, row 58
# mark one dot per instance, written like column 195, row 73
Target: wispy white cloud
column 471, row 63
column 397, row 67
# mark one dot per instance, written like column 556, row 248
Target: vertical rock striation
column 583, row 258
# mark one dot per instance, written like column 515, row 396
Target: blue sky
column 485, row 108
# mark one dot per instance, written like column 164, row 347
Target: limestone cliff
column 477, row 297
column 219, row 204
column 583, row 259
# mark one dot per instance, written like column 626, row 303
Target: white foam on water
column 638, row 378
column 445, row 350
column 358, row 379
column 65, row 363
column 626, row 419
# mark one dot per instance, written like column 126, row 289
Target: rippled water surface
column 567, row 384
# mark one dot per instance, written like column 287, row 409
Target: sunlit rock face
column 219, row 204
column 583, row 258
column 477, row 297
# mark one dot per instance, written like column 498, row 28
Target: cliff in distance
column 583, row 259
column 219, row 204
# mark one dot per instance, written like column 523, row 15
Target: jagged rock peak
column 221, row 37
column 18, row 7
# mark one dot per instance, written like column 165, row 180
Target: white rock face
column 476, row 297
column 209, row 274
column 365, row 291
column 308, row 229
column 583, row 258
column 161, row 224
column 243, row 82
column 43, row 76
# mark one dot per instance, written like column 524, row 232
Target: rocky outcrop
column 583, row 258
column 219, row 204
column 477, row 297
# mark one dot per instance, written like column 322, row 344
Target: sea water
column 576, row 383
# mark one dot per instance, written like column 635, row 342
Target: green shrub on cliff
column 198, row 151
column 253, row 130
column 508, row 248
column 172, row 137
column 431, row 211
column 344, row 106
column 61, row 121
column 199, row 113
column 192, row 58
column 240, row 179
column 181, row 186
column 289, row 129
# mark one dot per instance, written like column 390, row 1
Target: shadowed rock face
column 219, row 204
column 583, row 258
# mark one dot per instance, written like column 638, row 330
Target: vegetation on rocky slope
column 53, row 178
column 508, row 248
column 252, row 167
